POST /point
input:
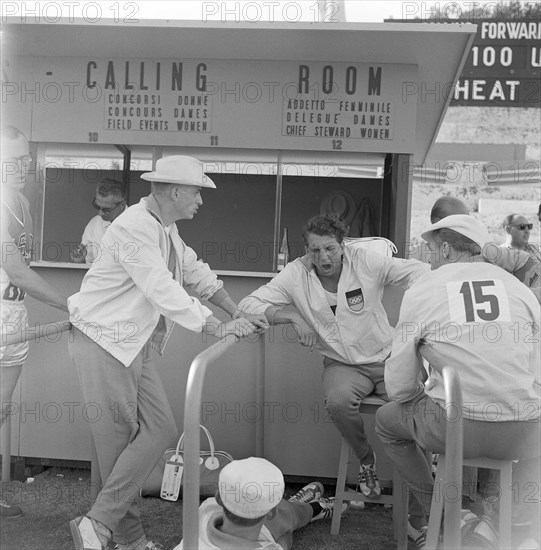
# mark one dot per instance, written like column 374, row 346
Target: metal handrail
column 192, row 419
column 40, row 331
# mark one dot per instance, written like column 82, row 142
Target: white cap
column 461, row 223
column 251, row 488
column 180, row 170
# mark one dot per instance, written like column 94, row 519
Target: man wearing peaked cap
column 464, row 313
column 129, row 301
column 249, row 511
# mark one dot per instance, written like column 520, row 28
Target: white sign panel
column 226, row 103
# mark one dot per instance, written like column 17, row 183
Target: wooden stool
column 506, row 498
column 399, row 498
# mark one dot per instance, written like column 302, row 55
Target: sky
column 240, row 10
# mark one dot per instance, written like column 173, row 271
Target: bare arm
column 29, row 281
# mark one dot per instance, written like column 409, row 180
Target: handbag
column 165, row 480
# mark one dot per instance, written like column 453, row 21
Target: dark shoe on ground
column 369, row 484
column 418, row 536
column 148, row 546
column 85, row 536
column 309, row 493
column 9, row 511
column 327, row 508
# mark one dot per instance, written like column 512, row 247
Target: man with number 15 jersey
column 473, row 316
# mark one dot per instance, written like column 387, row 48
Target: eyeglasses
column 522, row 226
column 105, row 210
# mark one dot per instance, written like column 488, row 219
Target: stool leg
column 506, row 499
column 400, row 511
column 340, row 487
column 436, row 508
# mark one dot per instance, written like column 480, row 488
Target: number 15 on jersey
column 478, row 301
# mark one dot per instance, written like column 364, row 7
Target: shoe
column 369, row 484
column 84, row 535
column 309, row 493
column 148, row 546
column 327, row 508
column 418, row 536
column 7, row 511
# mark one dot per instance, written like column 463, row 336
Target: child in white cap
column 249, row 511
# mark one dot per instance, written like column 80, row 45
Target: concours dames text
column 129, row 81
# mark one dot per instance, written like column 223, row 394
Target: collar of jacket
column 151, row 204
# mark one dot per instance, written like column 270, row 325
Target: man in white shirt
column 129, row 301
column 110, row 202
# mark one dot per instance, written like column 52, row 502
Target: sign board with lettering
column 226, row 103
column 503, row 68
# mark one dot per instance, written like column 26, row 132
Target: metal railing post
column 192, row 419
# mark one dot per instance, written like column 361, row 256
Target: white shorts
column 14, row 321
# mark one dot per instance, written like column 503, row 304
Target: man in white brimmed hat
column 464, row 313
column 249, row 511
column 129, row 301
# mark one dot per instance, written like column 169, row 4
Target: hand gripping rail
column 192, row 419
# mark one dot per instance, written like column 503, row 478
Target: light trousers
column 345, row 387
column 134, row 425
column 403, row 426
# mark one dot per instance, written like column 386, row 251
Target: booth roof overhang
column 439, row 50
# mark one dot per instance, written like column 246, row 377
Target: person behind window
column 110, row 202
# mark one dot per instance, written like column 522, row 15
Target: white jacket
column 211, row 538
column 130, row 285
column 360, row 332
column 480, row 320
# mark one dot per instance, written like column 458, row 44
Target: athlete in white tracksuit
column 350, row 326
column 481, row 320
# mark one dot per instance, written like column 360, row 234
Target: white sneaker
column 418, row 536
column 84, row 535
column 309, row 493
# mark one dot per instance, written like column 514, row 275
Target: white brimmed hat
column 461, row 223
column 180, row 170
column 251, row 488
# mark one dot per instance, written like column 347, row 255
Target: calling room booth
column 290, row 120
